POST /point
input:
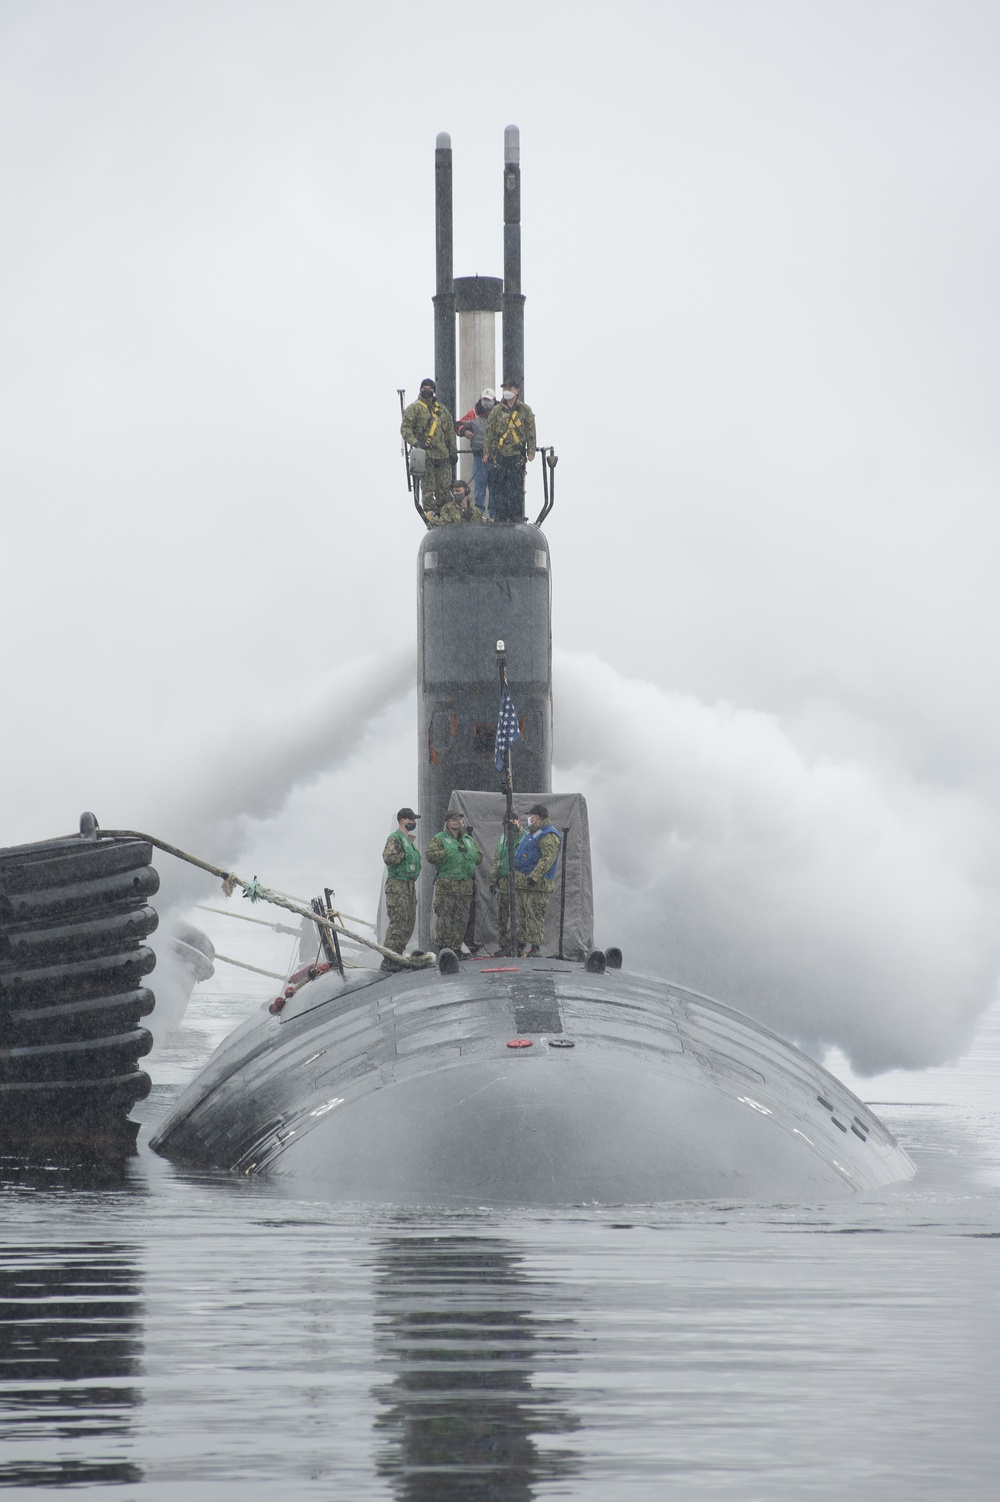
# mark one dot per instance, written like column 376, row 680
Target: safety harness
column 514, row 425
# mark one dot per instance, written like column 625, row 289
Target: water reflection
column 48, row 1172
column 70, row 1348
column 467, row 1331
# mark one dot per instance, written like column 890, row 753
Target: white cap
column 489, row 392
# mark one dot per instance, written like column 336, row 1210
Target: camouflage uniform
column 510, row 442
column 455, row 859
column 533, row 889
column 432, row 429
column 499, row 878
column 451, row 511
column 402, row 870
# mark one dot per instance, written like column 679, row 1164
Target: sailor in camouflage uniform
column 456, row 856
column 509, row 445
column 500, row 884
column 459, row 508
column 402, row 862
column 536, row 866
column 429, row 426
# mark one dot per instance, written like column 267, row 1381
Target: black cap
column 406, row 813
column 428, row 382
column 540, row 810
column 460, row 485
column 506, row 382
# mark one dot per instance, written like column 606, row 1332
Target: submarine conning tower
column 480, row 585
column 477, row 586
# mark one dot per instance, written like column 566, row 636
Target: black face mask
column 409, row 824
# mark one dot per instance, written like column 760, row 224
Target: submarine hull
column 618, row 1089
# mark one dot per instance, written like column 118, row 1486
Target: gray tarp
column 569, row 921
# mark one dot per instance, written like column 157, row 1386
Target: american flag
column 507, row 731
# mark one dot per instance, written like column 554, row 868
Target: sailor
column 429, row 426
column 473, row 427
column 459, row 508
column 510, row 443
column 456, row 855
column 536, row 865
column 499, row 883
column 402, row 863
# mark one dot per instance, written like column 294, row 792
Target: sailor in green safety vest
column 430, row 426
column 499, row 884
column 509, row 445
column 402, row 867
column 456, row 855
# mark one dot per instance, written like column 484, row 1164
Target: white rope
column 244, row 966
column 278, row 928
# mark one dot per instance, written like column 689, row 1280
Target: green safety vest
column 503, row 855
column 460, row 861
column 409, row 867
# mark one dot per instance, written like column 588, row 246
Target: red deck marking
column 520, row 1043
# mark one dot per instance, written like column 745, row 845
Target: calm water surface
column 190, row 1334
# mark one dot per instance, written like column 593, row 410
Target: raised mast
column 444, row 299
column 513, row 298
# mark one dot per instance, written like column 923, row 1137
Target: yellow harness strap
column 433, row 427
column 513, row 426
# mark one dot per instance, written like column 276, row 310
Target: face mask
column 486, row 404
column 409, row 824
column 426, row 396
column 509, row 396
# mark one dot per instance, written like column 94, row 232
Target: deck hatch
column 537, row 1010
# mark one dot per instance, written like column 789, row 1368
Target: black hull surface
column 622, row 1089
column 73, row 917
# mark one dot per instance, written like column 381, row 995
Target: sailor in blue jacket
column 536, row 865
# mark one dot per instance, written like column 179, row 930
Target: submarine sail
column 477, row 585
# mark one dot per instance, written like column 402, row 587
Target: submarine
column 560, row 1078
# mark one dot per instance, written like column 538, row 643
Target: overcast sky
column 760, row 254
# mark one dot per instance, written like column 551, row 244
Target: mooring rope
column 278, row 928
column 225, row 912
column 255, row 891
column 244, row 966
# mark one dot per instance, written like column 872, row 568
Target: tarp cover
column 569, row 920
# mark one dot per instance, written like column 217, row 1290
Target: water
column 187, row 1332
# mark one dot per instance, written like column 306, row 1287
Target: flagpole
column 508, row 788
